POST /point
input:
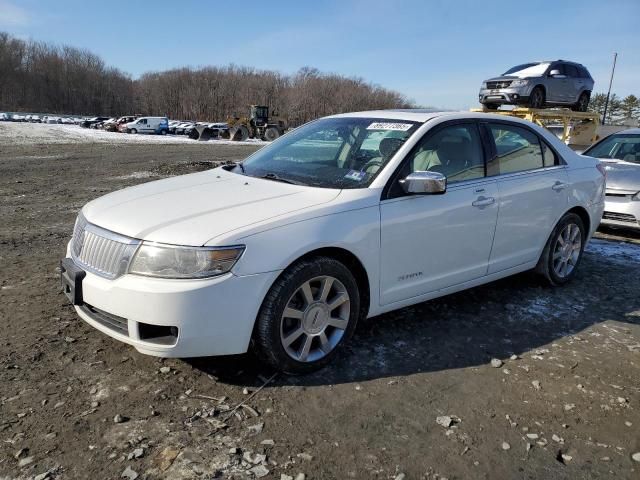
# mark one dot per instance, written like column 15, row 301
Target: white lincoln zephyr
column 344, row 218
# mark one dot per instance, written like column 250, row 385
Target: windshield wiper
column 276, row 178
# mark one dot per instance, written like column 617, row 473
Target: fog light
column 515, row 96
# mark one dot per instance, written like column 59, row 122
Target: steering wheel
column 371, row 163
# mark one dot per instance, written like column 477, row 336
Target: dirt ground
column 414, row 396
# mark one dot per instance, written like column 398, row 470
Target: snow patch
column 43, row 134
column 617, row 251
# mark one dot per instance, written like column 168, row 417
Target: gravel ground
column 508, row 380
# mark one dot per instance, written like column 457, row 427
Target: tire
column 133, row 130
column 281, row 340
column 550, row 264
column 271, row 133
column 163, row 132
column 491, row 106
column 537, row 98
column 240, row 134
column 583, row 102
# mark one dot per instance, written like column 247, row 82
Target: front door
column 430, row 242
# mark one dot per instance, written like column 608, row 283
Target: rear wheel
column 583, row 102
column 309, row 313
column 563, row 251
column 536, row 98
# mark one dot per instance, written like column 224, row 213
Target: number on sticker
column 400, row 127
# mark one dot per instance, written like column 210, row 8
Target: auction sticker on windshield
column 355, row 175
column 399, row 127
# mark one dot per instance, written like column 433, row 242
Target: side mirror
column 556, row 73
column 424, row 183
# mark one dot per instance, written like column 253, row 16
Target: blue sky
column 435, row 52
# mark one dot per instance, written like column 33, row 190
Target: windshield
column 331, row 152
column 619, row 146
column 528, row 70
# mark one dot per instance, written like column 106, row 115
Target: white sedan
column 344, row 218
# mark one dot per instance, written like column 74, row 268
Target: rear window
column 517, row 150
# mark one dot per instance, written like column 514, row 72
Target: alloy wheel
column 315, row 319
column 567, row 250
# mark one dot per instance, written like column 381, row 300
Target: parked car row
column 36, row 118
column 128, row 124
column 181, row 127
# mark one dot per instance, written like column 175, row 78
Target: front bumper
column 621, row 211
column 176, row 318
column 510, row 96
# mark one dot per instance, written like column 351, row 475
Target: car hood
column 624, row 176
column 195, row 209
column 506, row 78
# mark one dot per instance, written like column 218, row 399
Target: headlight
column 636, row 197
column 484, row 86
column 519, row 83
column 168, row 261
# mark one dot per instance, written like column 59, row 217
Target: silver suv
column 540, row 84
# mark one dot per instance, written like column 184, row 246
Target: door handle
column 559, row 186
column 483, row 201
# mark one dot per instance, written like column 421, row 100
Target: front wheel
column 309, row 313
column 133, row 130
column 563, row 251
column 536, row 98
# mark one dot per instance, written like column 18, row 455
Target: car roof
column 629, row 131
column 409, row 114
column 424, row 115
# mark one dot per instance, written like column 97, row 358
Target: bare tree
column 40, row 77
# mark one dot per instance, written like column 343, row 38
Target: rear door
column 430, row 242
column 533, row 191
column 574, row 82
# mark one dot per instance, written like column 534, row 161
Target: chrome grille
column 101, row 251
column 499, row 84
column 620, row 217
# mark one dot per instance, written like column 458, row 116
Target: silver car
column 540, row 84
column 620, row 153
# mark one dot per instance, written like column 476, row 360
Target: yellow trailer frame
column 580, row 128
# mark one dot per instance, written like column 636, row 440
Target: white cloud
column 12, row 15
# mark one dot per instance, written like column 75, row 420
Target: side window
column 454, row 151
column 549, row 158
column 517, row 150
column 571, row 71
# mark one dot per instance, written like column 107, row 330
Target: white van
column 159, row 125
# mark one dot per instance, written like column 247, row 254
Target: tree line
column 44, row 78
column 619, row 109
